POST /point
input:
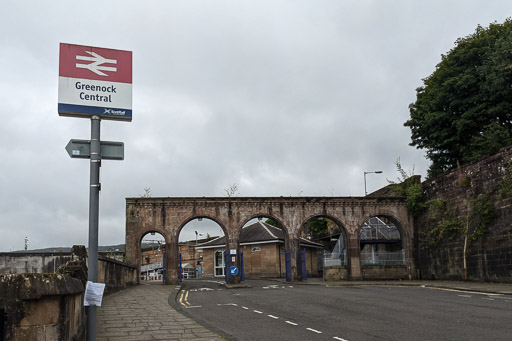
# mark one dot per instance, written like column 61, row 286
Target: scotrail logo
column 114, row 112
column 96, row 65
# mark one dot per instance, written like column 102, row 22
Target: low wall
column 25, row 262
column 49, row 306
column 115, row 274
column 42, row 307
column 335, row 274
column 384, row 272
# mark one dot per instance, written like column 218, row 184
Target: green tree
column 272, row 222
column 463, row 111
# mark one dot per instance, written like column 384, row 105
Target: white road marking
column 466, row 291
column 245, row 308
column 314, row 330
column 273, row 286
column 464, row 296
column 292, row 323
column 272, row 316
column 339, row 338
column 218, row 282
column 258, row 312
column 194, row 306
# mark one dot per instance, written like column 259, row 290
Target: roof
column 256, row 233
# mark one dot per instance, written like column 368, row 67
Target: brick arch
column 171, row 214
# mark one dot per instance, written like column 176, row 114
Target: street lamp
column 374, row 172
column 200, row 234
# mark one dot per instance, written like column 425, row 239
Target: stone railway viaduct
column 168, row 216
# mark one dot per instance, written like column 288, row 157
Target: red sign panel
column 95, row 63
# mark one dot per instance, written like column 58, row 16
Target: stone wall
column 115, row 274
column 335, row 274
column 25, row 262
column 373, row 272
column 441, row 231
column 42, row 307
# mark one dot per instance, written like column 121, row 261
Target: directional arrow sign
column 82, row 149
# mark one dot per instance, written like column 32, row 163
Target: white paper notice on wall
column 94, row 293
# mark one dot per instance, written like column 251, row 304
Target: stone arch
column 190, row 253
column 200, row 216
column 140, row 252
column 343, row 272
column 169, row 215
column 273, row 264
column 389, row 215
column 143, row 233
column 265, row 215
column 386, row 270
column 338, row 222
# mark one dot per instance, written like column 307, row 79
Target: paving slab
column 142, row 312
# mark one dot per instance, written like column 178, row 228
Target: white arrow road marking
column 206, row 289
column 96, row 66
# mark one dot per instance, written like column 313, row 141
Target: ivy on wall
column 449, row 225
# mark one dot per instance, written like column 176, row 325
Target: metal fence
column 334, row 259
column 151, row 266
column 383, row 257
column 377, row 229
column 380, row 233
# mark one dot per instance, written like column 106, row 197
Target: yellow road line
column 186, row 298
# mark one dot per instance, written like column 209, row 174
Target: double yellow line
column 184, row 298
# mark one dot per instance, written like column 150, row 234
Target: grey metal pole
column 94, row 193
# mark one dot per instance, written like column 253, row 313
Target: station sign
column 95, row 81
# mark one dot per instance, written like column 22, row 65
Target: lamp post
column 200, row 234
column 374, row 172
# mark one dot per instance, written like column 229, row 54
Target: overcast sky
column 283, row 98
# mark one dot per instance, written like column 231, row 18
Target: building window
column 256, row 249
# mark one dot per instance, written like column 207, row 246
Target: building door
column 219, row 263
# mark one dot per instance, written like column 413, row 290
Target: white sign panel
column 95, row 81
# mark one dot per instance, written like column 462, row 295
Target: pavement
column 144, row 312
